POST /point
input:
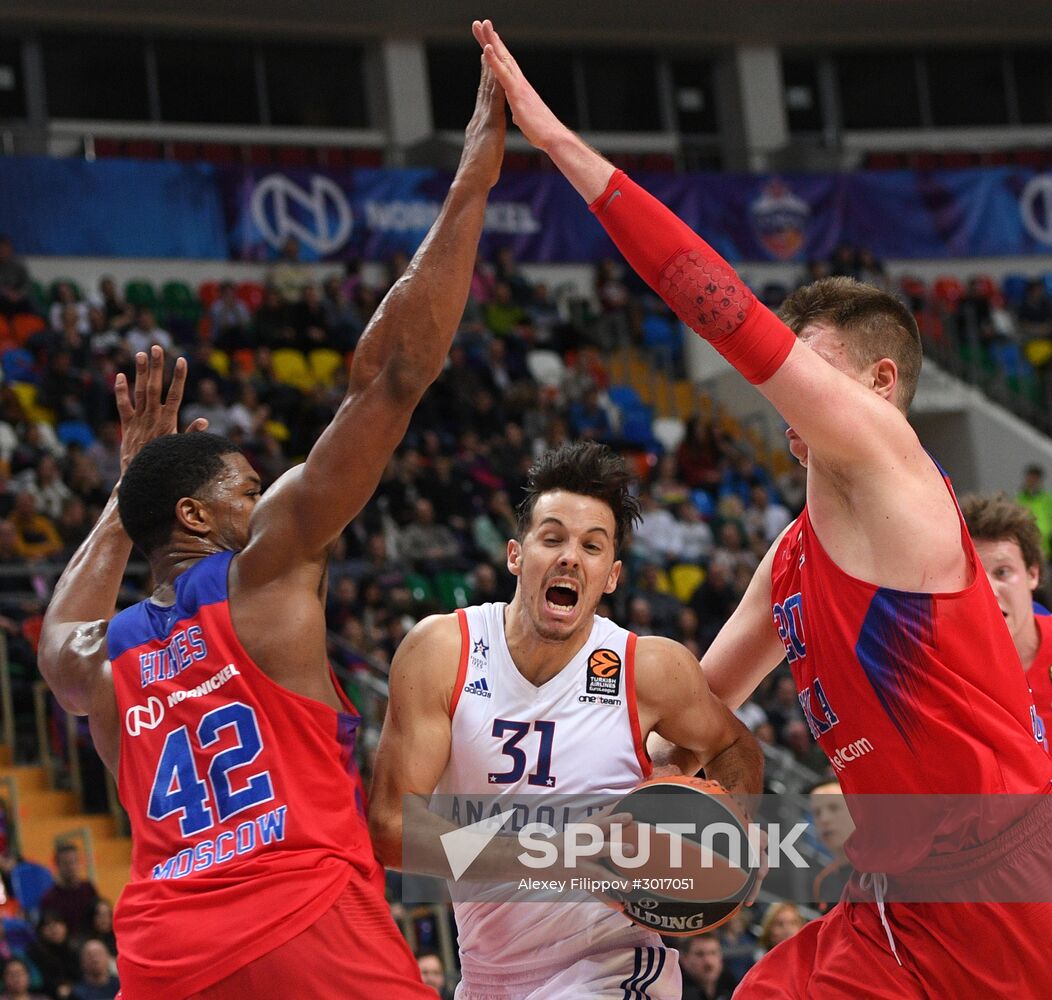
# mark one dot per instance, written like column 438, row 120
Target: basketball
column 685, row 855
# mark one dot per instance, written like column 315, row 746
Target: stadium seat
column 208, row 292
column 420, row 587
column 986, row 287
column 251, row 293
column 1013, row 287
column 948, row 292
column 27, row 397
column 624, row 397
column 290, row 367
column 179, row 301
column 24, row 325
column 245, row 359
column 1038, row 351
column 219, row 362
column 75, row 432
column 324, row 364
column 453, row 590
column 17, row 366
column 703, row 501
column 140, row 292
column 686, row 578
column 546, row 368
column 669, row 431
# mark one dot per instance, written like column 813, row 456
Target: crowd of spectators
column 56, row 932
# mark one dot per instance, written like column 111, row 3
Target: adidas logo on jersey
column 479, row 687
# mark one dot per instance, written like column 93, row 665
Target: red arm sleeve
column 700, row 287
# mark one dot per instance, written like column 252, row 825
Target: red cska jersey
column 907, row 692
column 1039, row 675
column 246, row 808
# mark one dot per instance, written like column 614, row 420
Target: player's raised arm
column 839, row 417
column 72, row 654
column 675, row 702
column 400, row 354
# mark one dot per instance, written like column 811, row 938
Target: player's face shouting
column 566, row 562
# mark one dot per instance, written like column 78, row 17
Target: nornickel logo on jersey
column 479, row 687
column 604, row 673
column 148, row 716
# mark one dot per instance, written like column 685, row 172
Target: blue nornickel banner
column 128, row 208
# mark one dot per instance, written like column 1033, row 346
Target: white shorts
column 647, row 973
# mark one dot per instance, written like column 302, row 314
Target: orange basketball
column 693, row 877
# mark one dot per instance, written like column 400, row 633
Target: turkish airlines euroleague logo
column 604, row 672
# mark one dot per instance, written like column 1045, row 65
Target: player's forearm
column 88, row 587
column 739, row 766
column 696, row 282
column 586, row 169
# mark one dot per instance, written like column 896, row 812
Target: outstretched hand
column 528, row 111
column 143, row 416
column 484, row 136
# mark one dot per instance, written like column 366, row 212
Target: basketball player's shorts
column 352, row 952
column 926, row 950
column 650, row 972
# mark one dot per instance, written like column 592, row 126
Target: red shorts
column 947, row 949
column 352, row 952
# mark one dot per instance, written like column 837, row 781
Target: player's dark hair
column 166, row 470
column 876, row 323
column 998, row 519
column 589, row 469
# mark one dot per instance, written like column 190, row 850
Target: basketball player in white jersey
column 542, row 695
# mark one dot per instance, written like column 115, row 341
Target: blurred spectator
column 764, row 518
column 16, row 981
column 105, row 452
column 589, row 418
column 209, row 405
column 1033, row 495
column 615, row 304
column 506, row 269
column 433, row 973
column 700, row 455
column 272, row 320
column 146, row 333
column 310, row 319
column 543, row 311
column 872, row 271
column 118, row 315
column 73, row 525
column 667, row 486
column 230, row 320
column 97, row 980
column 640, row 617
column 71, row 897
column 844, row 262
column 14, row 281
column 704, row 977
column 731, row 548
column 483, row 281
column 780, row 922
column 796, row 737
column 657, row 536
column 53, row 955
column 494, row 526
column 341, row 314
column 783, row 706
column 1035, row 312
column 651, row 585
column 36, row 537
column 427, row 546
column 739, row 945
column 67, row 306
column 490, row 587
column 102, row 925
column 502, row 314
column 695, row 536
column 288, row 275
column 714, row 601
column 792, row 485
column 46, row 488
column 834, row 825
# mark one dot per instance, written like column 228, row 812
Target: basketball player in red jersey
column 1008, row 541
column 213, row 703
column 905, row 670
